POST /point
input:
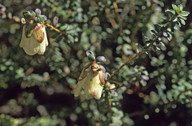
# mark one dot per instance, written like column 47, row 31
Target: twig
column 19, row 20
column 118, row 17
column 2, row 12
column 55, row 29
column 137, row 113
column 52, row 6
column 116, row 82
column 130, row 60
column 15, row 18
column 116, row 87
column 110, row 17
column 109, row 103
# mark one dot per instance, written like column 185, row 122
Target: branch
column 17, row 19
column 137, row 113
column 54, row 28
column 129, row 61
column 160, row 30
column 118, row 17
column 9, row 15
column 116, row 82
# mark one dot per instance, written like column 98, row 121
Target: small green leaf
column 180, row 7
column 42, row 18
column 184, row 18
column 174, row 7
column 27, row 15
column 154, row 32
column 184, row 13
column 169, row 37
column 71, row 39
column 175, row 19
column 63, row 27
column 119, row 40
column 91, row 58
column 127, row 39
column 36, row 19
column 170, row 11
column 162, row 44
column 182, row 21
column 90, row 55
column 33, row 13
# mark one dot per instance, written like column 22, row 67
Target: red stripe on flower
column 94, row 93
column 42, row 37
column 33, row 17
column 38, row 26
column 102, row 81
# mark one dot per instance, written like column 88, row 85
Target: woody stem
column 129, row 61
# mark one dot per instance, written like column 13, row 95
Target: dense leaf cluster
column 154, row 89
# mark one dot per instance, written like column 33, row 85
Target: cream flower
column 36, row 44
column 92, row 83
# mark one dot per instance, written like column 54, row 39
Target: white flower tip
column 76, row 93
column 94, row 93
column 97, row 94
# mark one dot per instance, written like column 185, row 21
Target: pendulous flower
column 37, row 42
column 34, row 37
column 91, row 80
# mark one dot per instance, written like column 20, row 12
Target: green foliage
column 38, row 90
column 43, row 121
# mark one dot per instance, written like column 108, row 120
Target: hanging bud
column 23, row 21
column 55, row 20
column 90, row 55
column 31, row 22
column 103, row 68
column 104, row 72
column 101, row 59
column 37, row 11
column 112, row 86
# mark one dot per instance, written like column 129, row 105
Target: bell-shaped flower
column 92, row 81
column 35, row 41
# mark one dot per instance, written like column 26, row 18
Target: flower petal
column 95, row 87
column 78, row 89
column 31, row 46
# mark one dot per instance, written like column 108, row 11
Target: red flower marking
column 94, row 93
column 38, row 26
column 33, row 17
column 102, row 81
column 88, row 69
column 94, row 62
column 42, row 37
